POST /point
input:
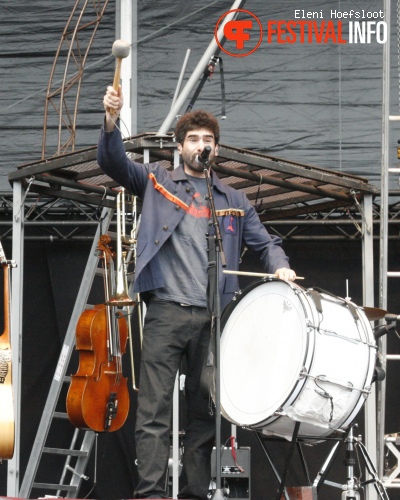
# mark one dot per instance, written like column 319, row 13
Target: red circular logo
column 238, row 31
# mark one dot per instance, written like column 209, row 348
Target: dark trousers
column 170, row 332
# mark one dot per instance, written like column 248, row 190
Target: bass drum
column 291, row 355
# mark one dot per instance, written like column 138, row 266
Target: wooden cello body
column 98, row 397
column 7, row 425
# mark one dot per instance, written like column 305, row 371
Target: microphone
column 203, row 157
column 382, row 330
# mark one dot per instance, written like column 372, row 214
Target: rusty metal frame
column 73, row 49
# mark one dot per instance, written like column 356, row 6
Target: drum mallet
column 120, row 50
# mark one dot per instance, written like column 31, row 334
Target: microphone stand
column 216, row 257
column 392, row 322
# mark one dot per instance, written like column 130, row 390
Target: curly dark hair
column 195, row 120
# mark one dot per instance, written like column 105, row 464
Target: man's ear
column 216, row 151
column 179, row 148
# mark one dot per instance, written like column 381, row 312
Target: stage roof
column 277, row 188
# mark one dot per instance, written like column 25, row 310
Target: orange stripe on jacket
column 203, row 212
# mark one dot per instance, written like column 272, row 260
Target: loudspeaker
column 235, row 474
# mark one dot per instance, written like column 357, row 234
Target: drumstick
column 261, row 275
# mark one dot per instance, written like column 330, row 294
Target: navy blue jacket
column 166, row 195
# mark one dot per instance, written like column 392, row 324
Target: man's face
column 193, row 145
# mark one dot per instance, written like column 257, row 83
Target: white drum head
column 263, row 347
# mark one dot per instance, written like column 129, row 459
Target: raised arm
column 113, row 100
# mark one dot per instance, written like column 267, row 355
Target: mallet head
column 120, row 49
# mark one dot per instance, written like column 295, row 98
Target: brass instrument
column 120, row 297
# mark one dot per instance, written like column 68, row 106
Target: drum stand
column 282, row 479
column 355, row 450
column 350, row 489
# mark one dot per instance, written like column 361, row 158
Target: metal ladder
column 388, row 443
column 74, row 456
column 391, row 477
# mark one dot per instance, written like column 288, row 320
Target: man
column 171, row 268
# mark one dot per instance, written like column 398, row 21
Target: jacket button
column 156, row 242
column 177, row 207
column 188, row 189
column 165, row 228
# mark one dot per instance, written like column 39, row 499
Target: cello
column 98, row 397
column 7, row 426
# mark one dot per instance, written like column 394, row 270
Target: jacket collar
column 178, row 174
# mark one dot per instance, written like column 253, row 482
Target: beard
column 190, row 160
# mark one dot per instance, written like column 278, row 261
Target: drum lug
column 310, row 326
column 366, row 391
column 303, row 373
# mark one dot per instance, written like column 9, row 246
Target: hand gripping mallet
column 120, row 50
